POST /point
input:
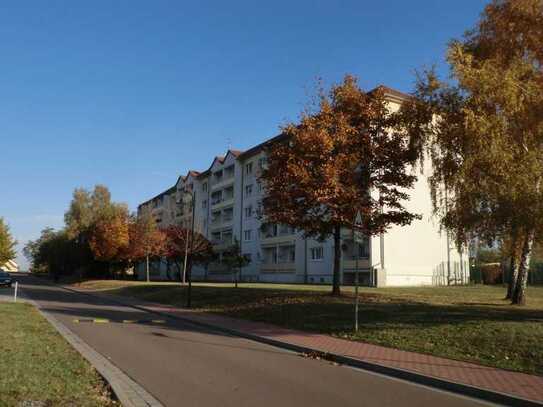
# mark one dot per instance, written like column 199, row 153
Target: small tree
column 7, row 243
column 198, row 248
column 341, row 159
column 181, row 243
column 235, row 261
column 145, row 240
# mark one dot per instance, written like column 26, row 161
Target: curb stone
column 407, row 375
column 128, row 392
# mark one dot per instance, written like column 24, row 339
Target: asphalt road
column 185, row 365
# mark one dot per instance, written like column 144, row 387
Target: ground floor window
column 317, row 253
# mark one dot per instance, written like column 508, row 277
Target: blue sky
column 133, row 93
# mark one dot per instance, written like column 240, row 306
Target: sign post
column 15, row 292
column 358, row 237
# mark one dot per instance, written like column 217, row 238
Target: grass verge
column 39, row 368
column 471, row 323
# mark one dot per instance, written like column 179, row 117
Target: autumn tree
column 485, row 130
column 235, row 261
column 188, row 247
column 109, row 237
column 342, row 157
column 146, row 240
column 7, row 243
column 99, row 228
column 180, row 241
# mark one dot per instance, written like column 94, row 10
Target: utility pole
column 189, row 291
column 186, row 256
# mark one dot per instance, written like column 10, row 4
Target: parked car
column 5, row 279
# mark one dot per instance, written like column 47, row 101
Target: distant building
column 10, row 266
column 228, row 202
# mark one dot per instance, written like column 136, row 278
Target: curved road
column 185, row 365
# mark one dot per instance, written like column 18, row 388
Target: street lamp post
column 357, row 222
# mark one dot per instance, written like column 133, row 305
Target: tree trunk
column 189, row 288
column 336, row 290
column 513, row 277
column 513, row 266
column 519, row 294
column 147, row 267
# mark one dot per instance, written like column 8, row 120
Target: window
column 204, row 204
column 269, row 255
column 229, row 193
column 249, row 168
column 262, row 162
column 228, row 214
column 216, row 237
column 286, row 254
column 364, row 249
column 248, row 190
column 229, row 172
column 268, row 230
column 259, row 186
column 248, row 211
column 285, row 230
column 216, row 197
column 227, row 236
column 317, row 253
column 204, row 187
column 215, row 217
column 247, row 235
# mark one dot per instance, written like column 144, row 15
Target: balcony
column 222, row 202
column 222, row 182
column 278, row 268
column 349, row 264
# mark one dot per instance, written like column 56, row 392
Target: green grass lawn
column 38, row 367
column 470, row 323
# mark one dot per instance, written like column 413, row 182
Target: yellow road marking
column 101, row 320
column 124, row 321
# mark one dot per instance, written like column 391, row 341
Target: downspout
column 208, row 210
column 241, row 215
column 305, row 260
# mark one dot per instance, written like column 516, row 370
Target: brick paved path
column 502, row 381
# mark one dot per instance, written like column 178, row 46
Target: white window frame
column 248, row 190
column 248, row 212
column 249, row 168
column 316, row 250
column 248, row 232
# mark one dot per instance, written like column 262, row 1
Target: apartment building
column 228, row 207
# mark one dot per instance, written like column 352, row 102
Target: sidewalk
column 489, row 383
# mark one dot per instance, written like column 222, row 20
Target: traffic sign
column 358, row 235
